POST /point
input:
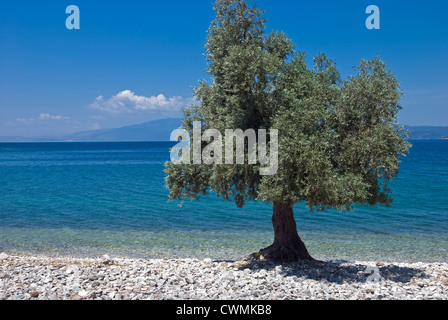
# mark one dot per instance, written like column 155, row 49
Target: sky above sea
column 136, row 61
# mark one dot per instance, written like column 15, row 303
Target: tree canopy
column 339, row 140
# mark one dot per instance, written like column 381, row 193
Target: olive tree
column 339, row 142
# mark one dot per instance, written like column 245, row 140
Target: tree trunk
column 287, row 246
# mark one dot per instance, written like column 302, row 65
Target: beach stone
column 83, row 293
column 28, row 277
column 107, row 260
column 3, row 256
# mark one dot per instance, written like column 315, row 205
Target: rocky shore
column 62, row 278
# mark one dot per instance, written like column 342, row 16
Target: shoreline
column 44, row 277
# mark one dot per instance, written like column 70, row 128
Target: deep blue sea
column 89, row 199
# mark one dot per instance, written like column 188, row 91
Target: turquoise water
column 95, row 198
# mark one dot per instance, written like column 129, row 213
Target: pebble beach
column 33, row 277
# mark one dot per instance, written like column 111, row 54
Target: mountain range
column 160, row 130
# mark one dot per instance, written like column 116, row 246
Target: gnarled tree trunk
column 287, row 246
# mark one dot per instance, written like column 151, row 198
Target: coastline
column 44, row 277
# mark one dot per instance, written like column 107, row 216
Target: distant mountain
column 427, row 132
column 16, row 139
column 160, row 130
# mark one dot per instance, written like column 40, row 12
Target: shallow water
column 96, row 198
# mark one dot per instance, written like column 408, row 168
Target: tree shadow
column 337, row 271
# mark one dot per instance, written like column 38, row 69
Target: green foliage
column 339, row 140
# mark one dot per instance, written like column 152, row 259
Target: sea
column 91, row 199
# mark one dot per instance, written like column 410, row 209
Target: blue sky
column 134, row 61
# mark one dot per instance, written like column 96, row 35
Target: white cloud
column 128, row 102
column 42, row 116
